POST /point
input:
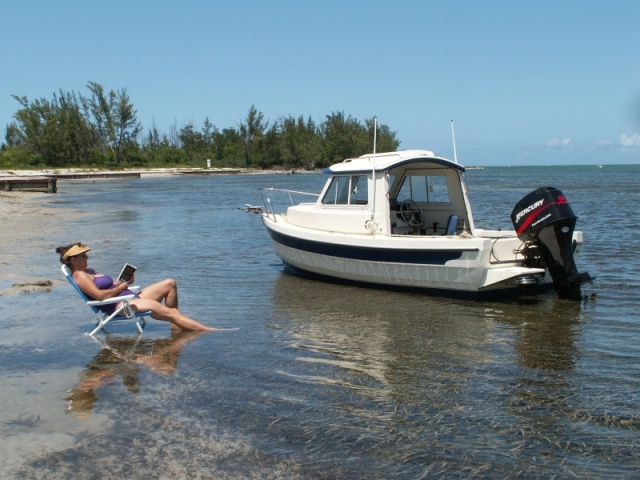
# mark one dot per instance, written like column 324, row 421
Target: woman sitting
column 100, row 287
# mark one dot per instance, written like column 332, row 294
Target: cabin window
column 425, row 189
column 347, row 190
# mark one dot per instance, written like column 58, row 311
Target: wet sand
column 29, row 227
column 29, row 232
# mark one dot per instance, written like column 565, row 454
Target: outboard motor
column 544, row 221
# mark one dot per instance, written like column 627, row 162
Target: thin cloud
column 630, row 141
column 559, row 143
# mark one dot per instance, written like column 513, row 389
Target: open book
column 126, row 273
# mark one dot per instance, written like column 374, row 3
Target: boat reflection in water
column 410, row 347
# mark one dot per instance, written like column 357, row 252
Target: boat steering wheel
column 411, row 213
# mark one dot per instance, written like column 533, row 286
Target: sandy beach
column 151, row 171
column 29, row 229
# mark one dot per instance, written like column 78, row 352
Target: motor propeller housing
column 545, row 222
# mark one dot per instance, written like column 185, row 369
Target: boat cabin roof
column 387, row 161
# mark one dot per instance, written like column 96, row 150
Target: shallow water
column 322, row 380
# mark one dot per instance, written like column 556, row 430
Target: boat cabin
column 410, row 192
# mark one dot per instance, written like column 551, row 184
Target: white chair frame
column 123, row 312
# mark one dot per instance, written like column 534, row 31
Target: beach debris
column 33, row 286
column 252, row 208
column 25, row 419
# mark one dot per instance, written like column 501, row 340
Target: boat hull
column 443, row 266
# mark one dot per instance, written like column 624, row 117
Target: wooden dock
column 208, row 171
column 31, row 184
column 84, row 175
column 48, row 182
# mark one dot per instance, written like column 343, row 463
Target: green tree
column 229, row 147
column 115, row 120
column 300, row 141
column 270, row 148
column 127, row 127
column 386, row 140
column 55, row 132
column 252, row 132
column 192, row 141
column 344, row 137
column 31, row 127
column 103, row 128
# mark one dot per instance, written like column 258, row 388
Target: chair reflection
column 123, row 356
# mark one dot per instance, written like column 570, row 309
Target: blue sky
column 537, row 82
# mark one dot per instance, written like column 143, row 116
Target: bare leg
column 166, row 290
column 168, row 314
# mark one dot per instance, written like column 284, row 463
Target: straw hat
column 77, row 249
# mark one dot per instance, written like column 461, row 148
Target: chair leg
column 97, row 329
column 104, row 321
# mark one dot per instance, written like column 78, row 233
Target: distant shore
column 29, row 227
column 10, row 173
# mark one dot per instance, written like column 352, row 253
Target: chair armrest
column 109, row 301
column 135, row 288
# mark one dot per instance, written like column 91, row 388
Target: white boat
column 403, row 220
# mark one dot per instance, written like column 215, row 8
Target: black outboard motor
column 545, row 221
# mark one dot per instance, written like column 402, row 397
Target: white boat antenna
column 375, row 134
column 371, row 225
column 453, row 136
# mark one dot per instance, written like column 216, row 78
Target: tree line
column 102, row 130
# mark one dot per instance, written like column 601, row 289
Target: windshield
column 425, row 189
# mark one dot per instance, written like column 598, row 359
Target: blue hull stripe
column 385, row 255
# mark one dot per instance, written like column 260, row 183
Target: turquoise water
column 321, row 380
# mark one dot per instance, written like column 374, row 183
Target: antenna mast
column 453, row 136
column 371, row 225
column 375, row 134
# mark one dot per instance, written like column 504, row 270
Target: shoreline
column 29, row 228
column 53, row 172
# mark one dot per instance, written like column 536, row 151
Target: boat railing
column 271, row 203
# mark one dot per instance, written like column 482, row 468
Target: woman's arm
column 88, row 286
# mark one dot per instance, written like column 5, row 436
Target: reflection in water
column 122, row 356
column 384, row 334
column 545, row 330
column 436, row 372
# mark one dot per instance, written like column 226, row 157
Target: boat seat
column 452, row 225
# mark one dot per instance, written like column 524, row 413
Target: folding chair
column 124, row 312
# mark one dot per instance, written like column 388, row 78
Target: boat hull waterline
column 369, row 225
column 448, row 270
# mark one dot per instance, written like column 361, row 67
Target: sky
column 525, row 82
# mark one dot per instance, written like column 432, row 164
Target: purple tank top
column 105, row 282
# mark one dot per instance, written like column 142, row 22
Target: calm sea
column 322, row 380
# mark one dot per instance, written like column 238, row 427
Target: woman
column 101, row 287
